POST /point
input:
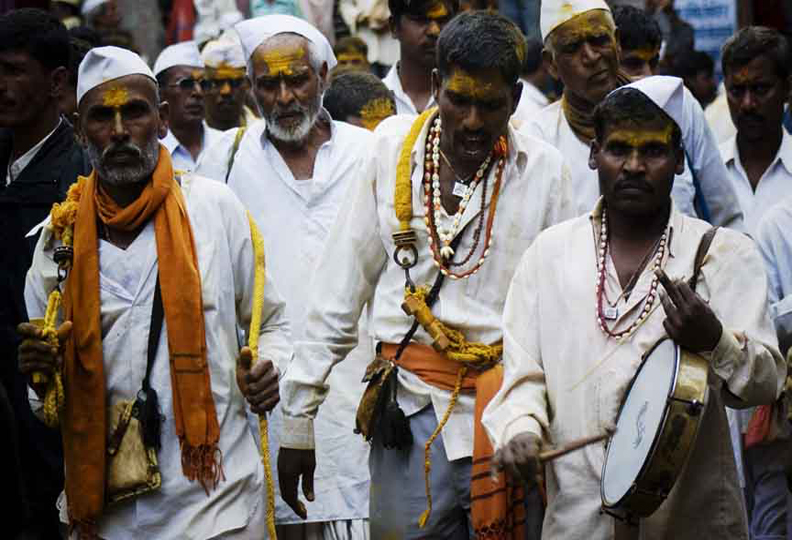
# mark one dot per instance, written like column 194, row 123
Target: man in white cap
column 447, row 203
column 163, row 259
column 582, row 51
column 179, row 70
column 293, row 170
column 227, row 87
column 593, row 295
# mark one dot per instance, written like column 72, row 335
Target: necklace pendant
column 446, row 252
column 610, row 313
column 459, row 189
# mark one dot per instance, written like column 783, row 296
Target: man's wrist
column 298, row 433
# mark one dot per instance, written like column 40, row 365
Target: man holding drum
column 599, row 278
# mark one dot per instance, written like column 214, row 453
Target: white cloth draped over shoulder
column 550, row 329
column 181, row 509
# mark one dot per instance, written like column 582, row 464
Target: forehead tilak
column 591, row 23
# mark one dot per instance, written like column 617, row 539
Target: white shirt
column 404, row 103
column 532, row 100
column 774, row 185
column 357, row 267
column 181, row 156
column 368, row 20
column 295, row 217
column 551, row 125
column 775, row 245
column 16, row 167
column 550, row 329
column 719, row 117
column 181, row 509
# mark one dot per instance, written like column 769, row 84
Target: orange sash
column 497, row 507
column 84, row 424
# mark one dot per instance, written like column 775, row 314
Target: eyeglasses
column 216, row 84
column 188, row 83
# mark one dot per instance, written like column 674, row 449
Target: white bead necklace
column 446, row 235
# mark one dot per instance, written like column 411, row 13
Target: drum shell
column 674, row 441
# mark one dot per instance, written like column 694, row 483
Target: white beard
column 124, row 176
column 298, row 132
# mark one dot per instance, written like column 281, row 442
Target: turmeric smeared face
column 225, row 97
column 115, row 97
column 756, row 95
column 475, row 108
column 287, row 88
column 353, row 60
column 636, row 163
column 585, row 55
column 640, row 63
column 418, row 29
column 375, row 111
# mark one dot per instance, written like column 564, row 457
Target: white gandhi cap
column 225, row 51
column 554, row 13
column 104, row 64
column 90, row 5
column 668, row 93
column 185, row 53
column 254, row 32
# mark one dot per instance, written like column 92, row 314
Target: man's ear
column 323, row 77
column 393, row 25
column 164, row 119
column 59, row 81
column 549, row 61
column 77, row 121
column 436, row 82
column 593, row 153
column 516, row 95
column 679, row 154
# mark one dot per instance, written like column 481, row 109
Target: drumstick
column 556, row 453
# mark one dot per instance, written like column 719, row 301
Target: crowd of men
column 425, row 283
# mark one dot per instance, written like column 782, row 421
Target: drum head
column 639, row 422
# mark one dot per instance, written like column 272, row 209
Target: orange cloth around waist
column 434, row 368
column 497, row 508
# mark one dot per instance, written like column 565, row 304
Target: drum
column 655, row 432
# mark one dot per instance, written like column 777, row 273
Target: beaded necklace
column 441, row 238
column 650, row 298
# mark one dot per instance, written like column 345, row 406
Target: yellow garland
column 402, row 198
column 62, row 217
column 253, row 338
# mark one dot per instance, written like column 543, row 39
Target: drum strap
column 703, row 248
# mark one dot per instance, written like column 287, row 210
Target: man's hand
column 259, row 383
column 520, row 458
column 36, row 355
column 292, row 464
column 689, row 320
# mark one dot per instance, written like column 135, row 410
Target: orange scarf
column 496, row 506
column 84, row 424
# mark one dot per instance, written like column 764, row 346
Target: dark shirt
column 24, row 203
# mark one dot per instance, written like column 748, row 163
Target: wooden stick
column 556, row 453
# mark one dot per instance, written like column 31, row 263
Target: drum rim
column 653, row 446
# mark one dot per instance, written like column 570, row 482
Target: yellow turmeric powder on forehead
column 116, row 96
column 283, row 61
column 464, row 84
column 587, row 25
column 224, row 71
column 645, row 55
column 437, row 10
column 636, row 137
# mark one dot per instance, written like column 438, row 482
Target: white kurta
column 181, row 156
column 295, row 217
column 551, row 126
column 532, row 100
column 357, row 267
column 404, row 103
column 181, row 509
column 775, row 244
column 774, row 186
column 550, row 329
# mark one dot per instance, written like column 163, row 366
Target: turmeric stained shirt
column 550, row 330
column 356, row 267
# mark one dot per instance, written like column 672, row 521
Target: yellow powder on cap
column 116, row 96
column 375, row 111
column 463, row 84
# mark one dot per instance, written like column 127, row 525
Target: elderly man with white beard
column 293, row 169
column 161, row 273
